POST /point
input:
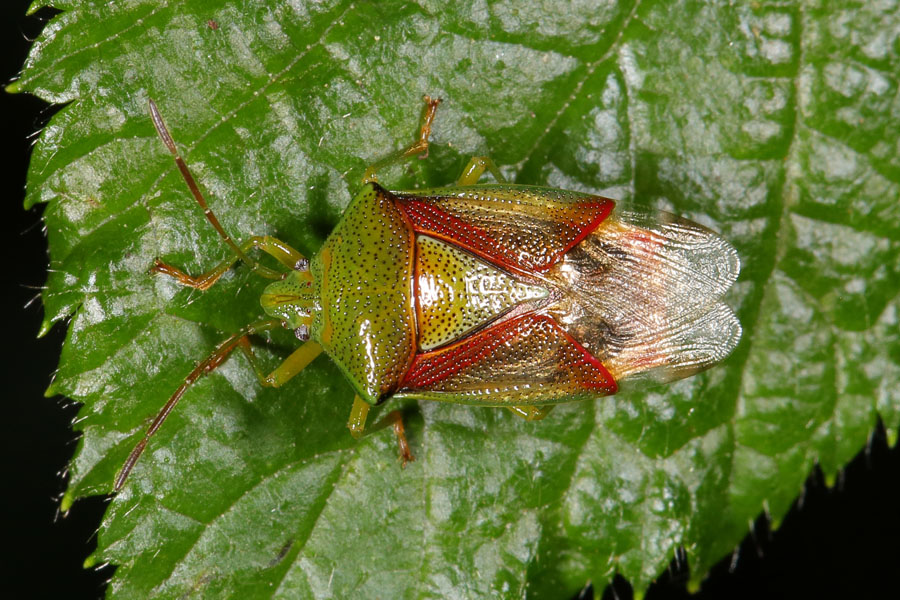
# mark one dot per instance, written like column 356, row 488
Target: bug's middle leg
column 274, row 247
column 476, row 168
column 357, row 426
column 420, row 146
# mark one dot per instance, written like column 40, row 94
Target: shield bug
column 493, row 294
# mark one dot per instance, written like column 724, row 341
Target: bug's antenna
column 166, row 137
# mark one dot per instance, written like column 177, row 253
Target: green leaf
column 776, row 124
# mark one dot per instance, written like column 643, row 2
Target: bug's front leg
column 357, row 426
column 274, row 247
column 292, row 365
column 206, row 366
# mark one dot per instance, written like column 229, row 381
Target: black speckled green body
column 364, row 278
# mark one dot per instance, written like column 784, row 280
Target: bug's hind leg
column 531, row 413
column 476, row 168
column 271, row 246
column 357, row 426
column 420, row 146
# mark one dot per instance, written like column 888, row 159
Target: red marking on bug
column 433, row 367
column 601, row 210
column 433, row 221
column 212, row 25
column 437, row 222
column 605, row 382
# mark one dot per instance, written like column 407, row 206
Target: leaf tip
column 830, row 480
column 35, row 6
column 892, row 438
column 46, row 326
column 29, row 201
column 13, row 88
column 67, row 500
column 693, row 584
column 89, row 562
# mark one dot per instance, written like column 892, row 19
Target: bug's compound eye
column 302, row 333
column 302, row 264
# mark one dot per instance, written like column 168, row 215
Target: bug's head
column 294, row 300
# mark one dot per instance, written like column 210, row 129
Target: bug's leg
column 166, row 137
column 476, row 168
column 358, row 415
column 291, row 366
column 357, row 426
column 420, row 146
column 209, row 364
column 531, row 413
column 271, row 246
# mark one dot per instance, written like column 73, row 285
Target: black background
column 842, row 543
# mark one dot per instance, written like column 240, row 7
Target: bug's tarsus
column 421, row 146
column 531, row 413
column 202, row 282
column 395, row 419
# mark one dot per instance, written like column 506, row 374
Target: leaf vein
column 589, row 71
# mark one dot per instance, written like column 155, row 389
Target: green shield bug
column 494, row 294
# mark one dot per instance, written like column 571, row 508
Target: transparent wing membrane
column 642, row 293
